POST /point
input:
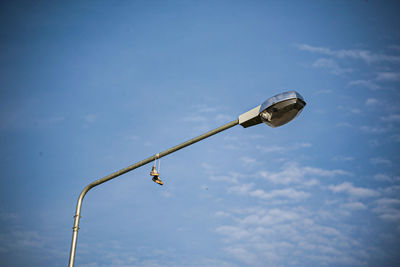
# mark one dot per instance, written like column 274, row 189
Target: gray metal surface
column 282, row 112
column 128, row 169
column 279, row 98
column 250, row 118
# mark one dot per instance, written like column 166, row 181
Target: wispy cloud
column 364, row 83
column 343, row 158
column 248, row 160
column 388, row 76
column 289, row 193
column 373, row 130
column 365, row 55
column 230, row 178
column 391, row 118
column 380, row 160
column 354, row 206
column 242, row 189
column 357, row 192
column 331, row 65
column 388, row 209
column 344, row 124
column 372, row 83
column 270, row 217
column 323, row 92
column 203, row 114
column 280, row 235
column 205, row 109
column 395, row 138
column 382, row 177
column 242, row 254
column 350, row 110
column 7, row 217
column 294, row 173
column 282, row 149
column 194, row 118
column 90, row 118
column 222, row 214
column 21, row 240
column 371, row 102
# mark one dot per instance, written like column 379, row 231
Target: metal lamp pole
column 275, row 112
column 128, row 169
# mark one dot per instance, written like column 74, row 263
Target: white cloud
column 344, row 124
column 391, row 118
column 395, row 47
column 354, row 206
column 248, row 160
column 321, row 92
column 289, row 193
column 207, row 166
column 388, row 209
column 330, row 65
column 396, row 137
column 166, row 194
column 242, row 254
column 282, row 149
column 224, row 178
column 241, row 189
column 204, row 113
column 364, row 83
column 364, row 55
column 195, row 118
column 382, row 177
column 294, row 173
column 351, row 110
column 6, row 216
column 21, row 240
column 390, row 215
column 234, row 232
column 388, row 76
column 388, row 201
column 271, row 148
column 373, row 130
column 343, row 158
column 205, row 109
column 283, row 237
column 270, row 217
column 357, row 192
column 371, row 102
column 90, row 118
column 355, row 110
column 380, row 160
column 386, row 178
column 132, row 137
column 222, row 214
column 393, row 190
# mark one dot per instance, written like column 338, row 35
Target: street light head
column 275, row 111
column 282, row 108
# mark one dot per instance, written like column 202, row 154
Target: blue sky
column 90, row 87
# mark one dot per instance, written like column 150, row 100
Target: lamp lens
column 282, row 112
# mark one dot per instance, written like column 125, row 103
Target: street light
column 275, row 111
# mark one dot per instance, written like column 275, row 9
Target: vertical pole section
column 77, row 216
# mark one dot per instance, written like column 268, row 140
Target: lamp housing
column 275, row 111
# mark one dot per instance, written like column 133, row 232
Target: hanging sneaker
column 157, row 180
column 154, row 172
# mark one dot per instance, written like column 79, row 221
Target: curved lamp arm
column 128, row 169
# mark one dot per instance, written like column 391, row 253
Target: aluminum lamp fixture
column 275, row 111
